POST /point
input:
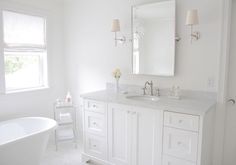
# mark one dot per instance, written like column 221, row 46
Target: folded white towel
column 65, row 117
column 65, row 133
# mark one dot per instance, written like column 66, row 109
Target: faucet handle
column 157, row 92
column 144, row 90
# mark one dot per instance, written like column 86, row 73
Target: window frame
column 31, row 11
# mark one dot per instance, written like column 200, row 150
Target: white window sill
column 27, row 90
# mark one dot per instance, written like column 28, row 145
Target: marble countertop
column 188, row 105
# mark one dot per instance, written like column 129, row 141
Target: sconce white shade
column 115, row 25
column 192, row 17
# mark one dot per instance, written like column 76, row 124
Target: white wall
column 91, row 55
column 40, row 103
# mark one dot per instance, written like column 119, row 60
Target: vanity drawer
column 182, row 121
column 95, row 123
column 96, row 146
column 95, row 106
column 180, row 143
column 168, row 160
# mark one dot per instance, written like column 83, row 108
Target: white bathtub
column 24, row 140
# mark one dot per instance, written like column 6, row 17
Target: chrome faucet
column 145, row 87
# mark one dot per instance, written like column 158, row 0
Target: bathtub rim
column 52, row 126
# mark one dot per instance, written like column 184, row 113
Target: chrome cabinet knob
column 179, row 143
column 94, row 106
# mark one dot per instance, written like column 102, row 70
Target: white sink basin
column 143, row 98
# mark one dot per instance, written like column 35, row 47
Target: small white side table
column 65, row 115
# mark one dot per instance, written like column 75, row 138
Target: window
column 25, row 51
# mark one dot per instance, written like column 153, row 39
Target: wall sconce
column 116, row 28
column 191, row 20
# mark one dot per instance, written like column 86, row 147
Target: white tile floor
column 66, row 155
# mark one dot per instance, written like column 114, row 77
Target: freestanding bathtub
column 23, row 140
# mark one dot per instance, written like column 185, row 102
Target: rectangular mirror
column 153, row 31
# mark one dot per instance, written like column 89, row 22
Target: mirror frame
column 132, row 36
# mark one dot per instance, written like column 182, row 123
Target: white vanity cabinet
column 123, row 134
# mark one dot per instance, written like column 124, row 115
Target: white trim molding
column 218, row 158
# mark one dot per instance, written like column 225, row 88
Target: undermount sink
column 143, row 98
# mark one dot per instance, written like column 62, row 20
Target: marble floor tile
column 66, row 155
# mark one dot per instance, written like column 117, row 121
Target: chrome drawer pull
column 179, row 143
column 94, row 106
column 180, row 121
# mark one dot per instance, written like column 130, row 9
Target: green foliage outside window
column 16, row 63
column 13, row 64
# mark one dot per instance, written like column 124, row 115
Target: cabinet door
column 135, row 135
column 148, row 136
column 119, row 134
column 95, row 123
column 181, row 144
column 96, row 146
